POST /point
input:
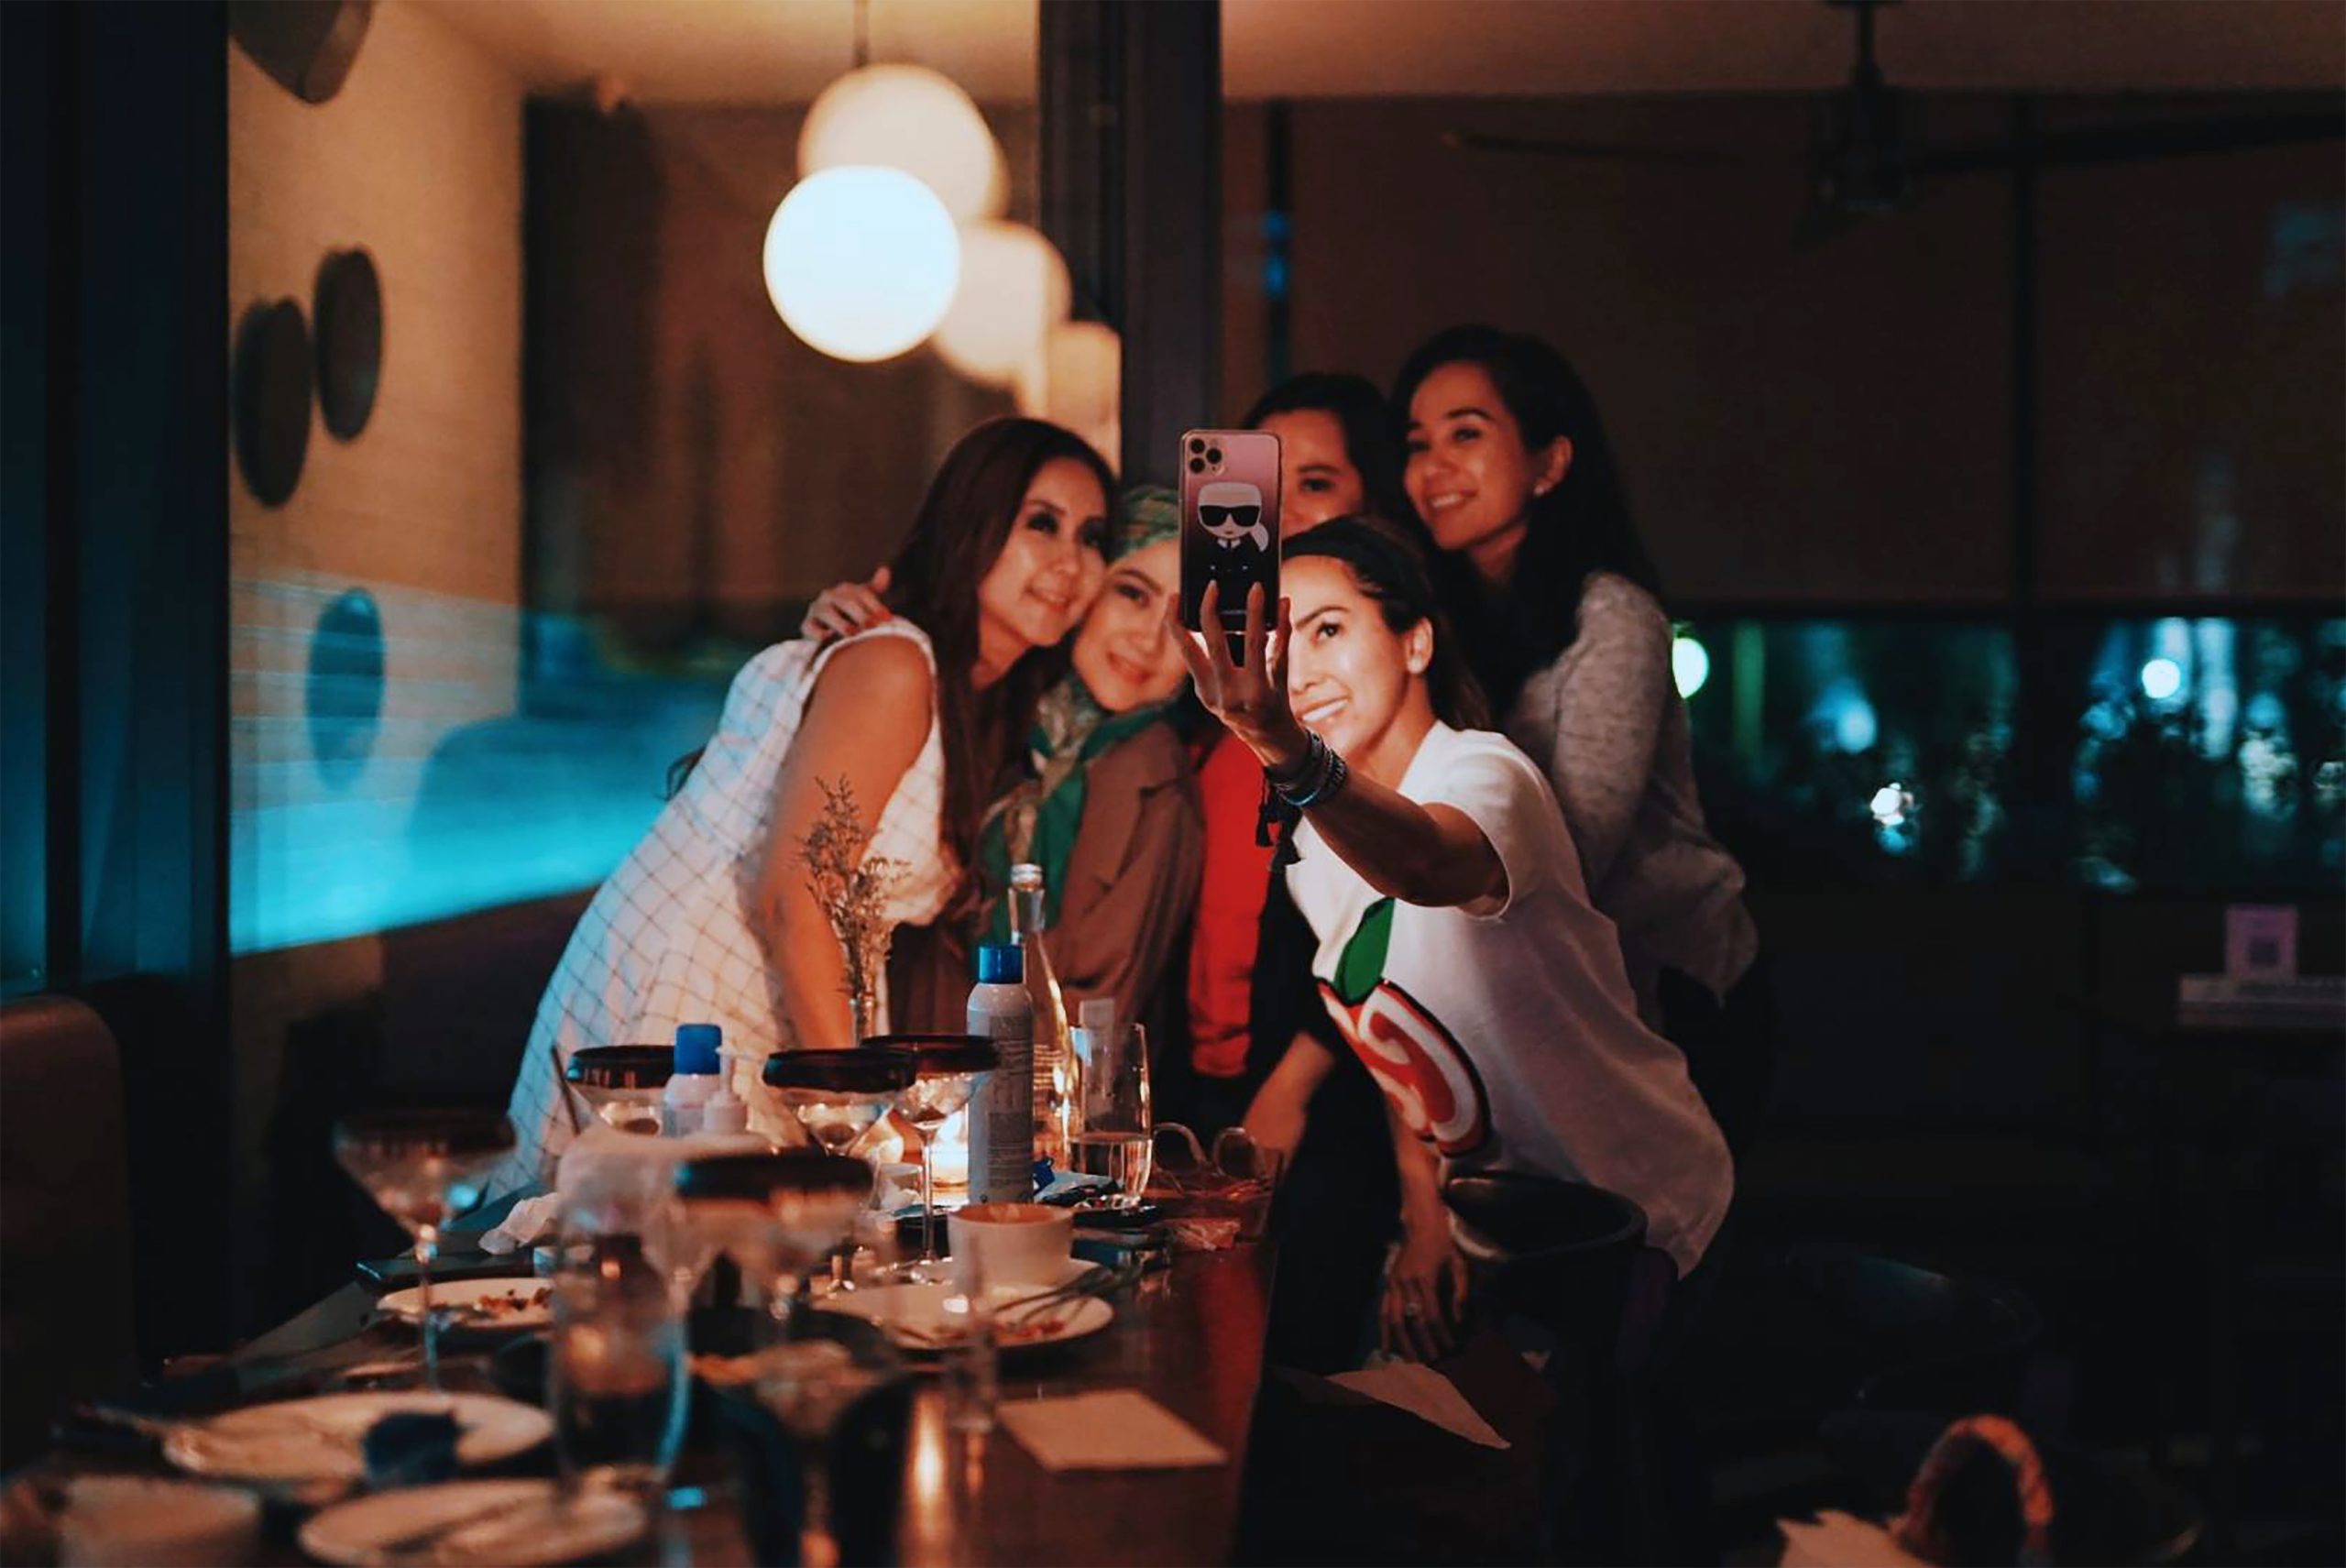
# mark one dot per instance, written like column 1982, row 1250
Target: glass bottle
column 1054, row 1093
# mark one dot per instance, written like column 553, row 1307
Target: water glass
column 616, row 1377
column 1114, row 1140
column 1238, row 1178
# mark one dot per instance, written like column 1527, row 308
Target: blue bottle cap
column 1000, row 963
column 696, row 1047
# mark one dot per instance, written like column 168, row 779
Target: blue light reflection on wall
column 476, row 787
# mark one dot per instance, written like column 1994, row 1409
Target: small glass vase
column 863, row 1016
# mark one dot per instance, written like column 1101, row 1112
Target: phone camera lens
column 1197, row 464
column 1213, row 455
column 1197, row 446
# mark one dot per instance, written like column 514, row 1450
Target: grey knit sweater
column 1606, row 723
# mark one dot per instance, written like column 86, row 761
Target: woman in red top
column 1340, row 454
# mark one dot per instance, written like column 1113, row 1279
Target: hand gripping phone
column 1230, row 524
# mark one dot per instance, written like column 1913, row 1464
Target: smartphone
column 1229, row 522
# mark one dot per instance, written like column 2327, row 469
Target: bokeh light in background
column 1080, row 385
column 912, row 118
column 1013, row 291
column 1689, row 663
column 861, row 262
column 2162, row 678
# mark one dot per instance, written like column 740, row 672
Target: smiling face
column 1125, row 651
column 1469, row 474
column 1317, row 479
column 1352, row 680
column 1050, row 567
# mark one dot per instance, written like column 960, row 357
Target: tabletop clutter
column 685, row 1275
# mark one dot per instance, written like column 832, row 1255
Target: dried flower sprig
column 852, row 889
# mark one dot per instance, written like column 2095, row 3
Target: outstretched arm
column 864, row 726
column 1430, row 855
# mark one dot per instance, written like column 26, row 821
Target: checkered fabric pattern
column 668, row 938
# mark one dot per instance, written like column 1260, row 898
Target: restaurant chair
column 1570, row 1260
column 1923, row 1339
column 66, row 1331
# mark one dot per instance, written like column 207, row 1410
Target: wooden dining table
column 1188, row 1335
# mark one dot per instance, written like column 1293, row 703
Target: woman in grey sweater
column 1509, row 468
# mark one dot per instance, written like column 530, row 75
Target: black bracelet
column 1284, row 780
column 1332, row 774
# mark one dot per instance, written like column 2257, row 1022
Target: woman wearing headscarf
column 1108, row 806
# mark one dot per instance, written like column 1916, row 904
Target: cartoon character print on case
column 1230, row 512
column 1432, row 1084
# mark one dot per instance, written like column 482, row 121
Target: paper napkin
column 1114, row 1428
column 1424, row 1393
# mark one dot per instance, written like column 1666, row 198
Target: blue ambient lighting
column 479, row 787
column 2162, row 678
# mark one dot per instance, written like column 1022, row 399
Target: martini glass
column 621, row 1085
column 945, row 1068
column 423, row 1168
column 778, row 1215
column 837, row 1096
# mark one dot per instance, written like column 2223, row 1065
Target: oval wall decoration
column 272, row 400
column 345, row 701
column 348, row 317
column 305, row 46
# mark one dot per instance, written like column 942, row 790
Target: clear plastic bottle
column 1002, row 1106
column 693, row 1080
column 1054, row 1095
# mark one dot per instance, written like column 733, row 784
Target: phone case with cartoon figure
column 1229, row 522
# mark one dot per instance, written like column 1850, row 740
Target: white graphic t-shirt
column 1507, row 1037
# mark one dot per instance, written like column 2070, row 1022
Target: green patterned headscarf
column 1036, row 821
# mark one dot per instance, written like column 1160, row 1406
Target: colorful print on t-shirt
column 1433, row 1088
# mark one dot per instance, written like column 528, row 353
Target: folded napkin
column 1115, row 1428
column 1840, row 1541
column 1424, row 1393
column 523, row 1223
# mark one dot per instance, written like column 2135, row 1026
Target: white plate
column 474, row 1296
column 320, row 1439
column 914, row 1316
column 517, row 1522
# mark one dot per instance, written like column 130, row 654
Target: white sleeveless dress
column 669, row 938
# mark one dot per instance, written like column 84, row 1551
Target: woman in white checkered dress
column 709, row 919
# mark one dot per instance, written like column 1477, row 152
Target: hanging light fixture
column 907, row 117
column 861, row 262
column 1077, row 383
column 1013, row 291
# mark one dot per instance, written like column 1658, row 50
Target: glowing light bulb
column 1013, row 291
column 861, row 262
column 1891, row 804
column 2162, row 678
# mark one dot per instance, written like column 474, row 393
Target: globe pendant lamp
column 861, row 262
column 1013, row 291
column 912, row 118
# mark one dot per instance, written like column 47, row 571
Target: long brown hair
column 959, row 531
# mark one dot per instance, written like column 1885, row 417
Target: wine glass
column 777, row 1215
column 837, row 1096
column 945, row 1068
column 423, row 1168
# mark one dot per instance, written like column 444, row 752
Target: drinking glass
column 1237, row 1179
column 945, row 1068
column 617, row 1379
column 621, row 1085
column 778, row 1215
column 1116, row 1139
column 837, row 1096
column 423, row 1168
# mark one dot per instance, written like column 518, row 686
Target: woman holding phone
column 1458, row 951
column 1508, row 466
column 710, row 919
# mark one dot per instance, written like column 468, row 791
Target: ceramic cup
column 1018, row 1245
